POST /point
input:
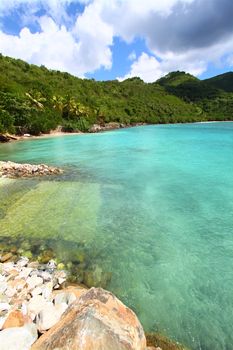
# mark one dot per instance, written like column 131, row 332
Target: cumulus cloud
column 146, row 67
column 57, row 48
column 149, row 68
column 179, row 34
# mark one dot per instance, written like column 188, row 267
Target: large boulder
column 18, row 338
column 97, row 320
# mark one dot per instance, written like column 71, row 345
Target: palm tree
column 58, row 103
column 36, row 98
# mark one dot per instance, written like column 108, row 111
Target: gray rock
column 65, row 297
column 18, row 338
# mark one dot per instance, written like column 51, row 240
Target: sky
column 119, row 39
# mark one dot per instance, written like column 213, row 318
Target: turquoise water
column 153, row 205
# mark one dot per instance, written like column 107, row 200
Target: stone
column 25, row 272
column 33, row 264
column 11, row 169
column 17, row 284
column 4, row 306
column 97, row 320
column 22, row 262
column 46, row 276
column 10, row 292
column 46, row 256
column 4, row 138
column 75, row 290
column 34, row 281
column 49, row 316
column 47, row 290
column 64, row 297
column 35, row 305
column 51, row 264
column 3, row 287
column 18, row 338
column 97, row 277
column 6, row 257
column 37, row 291
column 14, row 319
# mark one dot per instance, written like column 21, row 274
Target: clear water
column 154, row 206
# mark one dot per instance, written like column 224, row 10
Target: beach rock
column 49, row 316
column 36, row 304
column 97, row 320
column 64, row 297
column 14, row 319
column 47, row 290
column 34, row 281
column 18, row 338
column 70, row 290
column 23, row 261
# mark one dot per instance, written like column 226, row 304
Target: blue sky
column 118, row 39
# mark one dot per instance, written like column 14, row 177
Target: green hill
column 223, row 81
column 176, row 78
column 34, row 99
column 213, row 96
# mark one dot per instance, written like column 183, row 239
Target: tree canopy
column 36, row 100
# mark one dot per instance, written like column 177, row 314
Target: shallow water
column 153, row 205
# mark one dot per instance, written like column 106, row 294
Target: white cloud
column 95, row 37
column 57, row 48
column 84, row 44
column 146, row 67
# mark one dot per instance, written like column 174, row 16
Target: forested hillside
column 34, row 99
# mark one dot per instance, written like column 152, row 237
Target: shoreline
column 14, row 137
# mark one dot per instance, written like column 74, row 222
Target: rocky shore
column 13, row 170
column 111, row 126
column 40, row 310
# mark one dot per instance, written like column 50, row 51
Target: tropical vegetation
column 36, row 100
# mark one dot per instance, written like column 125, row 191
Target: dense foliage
column 34, row 99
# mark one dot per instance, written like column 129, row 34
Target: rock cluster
column 111, row 126
column 36, row 302
column 7, row 138
column 12, row 170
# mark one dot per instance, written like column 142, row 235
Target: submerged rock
column 97, row 320
column 160, row 342
column 97, row 278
